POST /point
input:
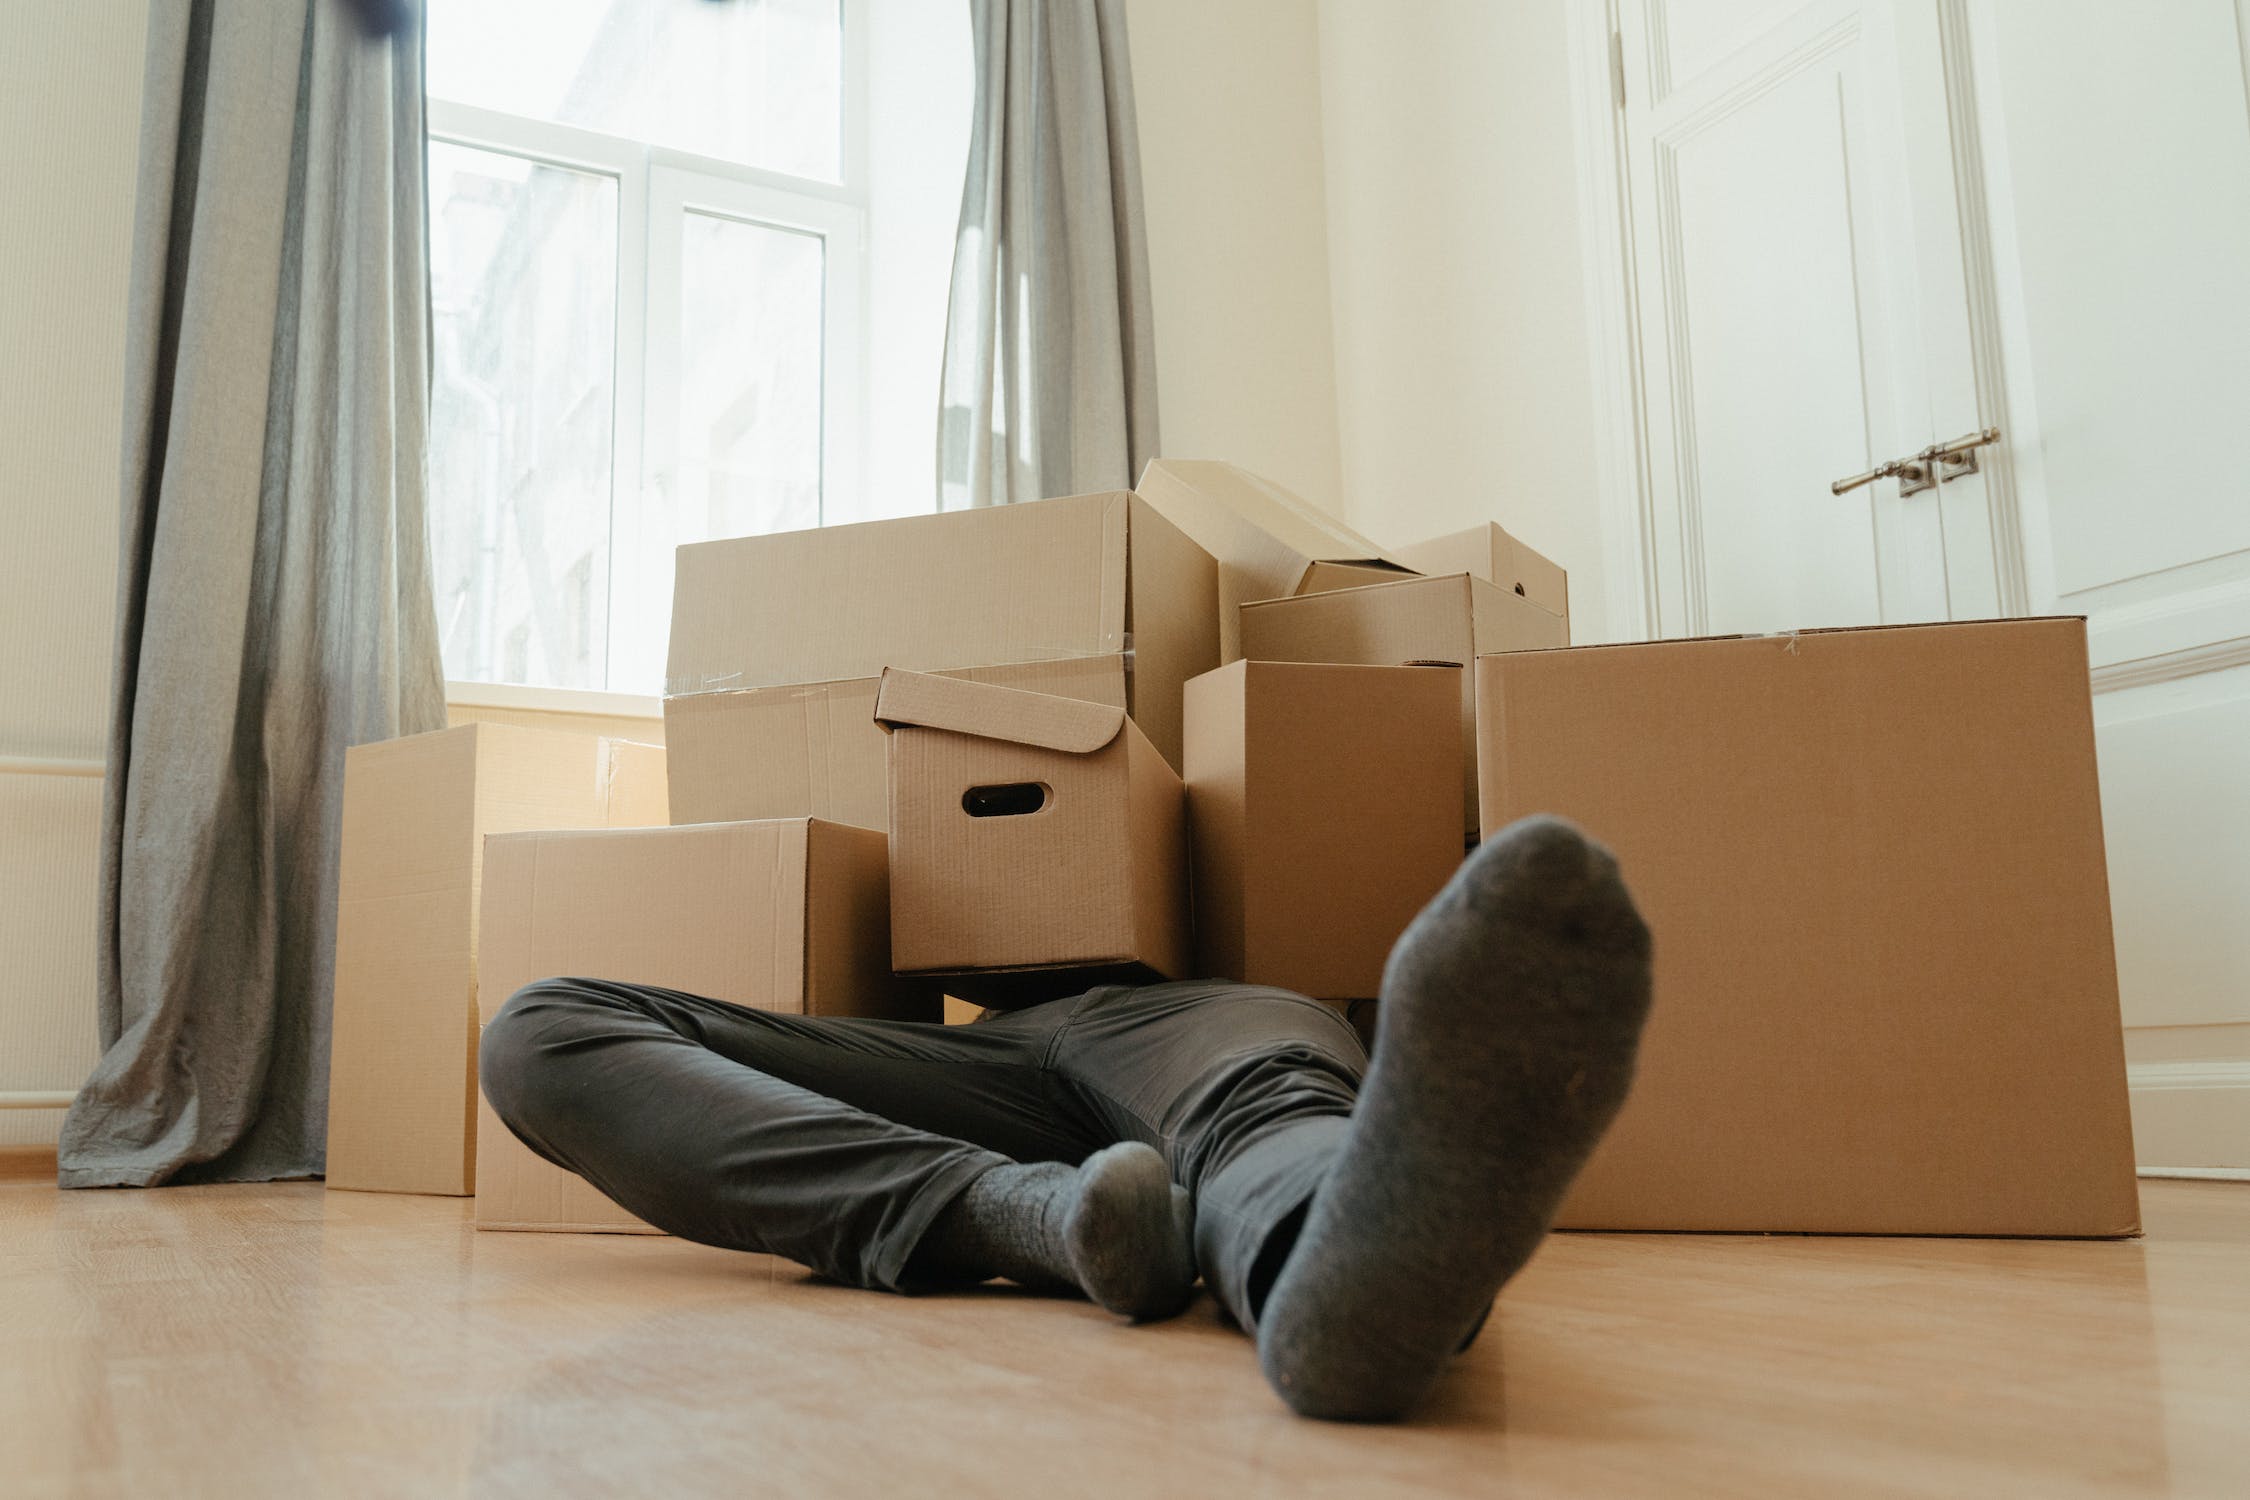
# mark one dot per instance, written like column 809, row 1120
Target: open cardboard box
column 1269, row 543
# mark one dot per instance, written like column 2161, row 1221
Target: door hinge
column 1617, row 67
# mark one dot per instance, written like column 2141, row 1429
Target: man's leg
column 883, row 1154
column 1246, row 1089
column 1361, row 1226
column 1511, row 1016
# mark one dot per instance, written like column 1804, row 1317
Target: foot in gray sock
column 1114, row 1227
column 1512, row 1009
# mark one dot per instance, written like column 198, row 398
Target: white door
column 2115, row 147
column 1858, row 227
column 1792, row 329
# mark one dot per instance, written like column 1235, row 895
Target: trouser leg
column 1247, row 1090
column 831, row 1141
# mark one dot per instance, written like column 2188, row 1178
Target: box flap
column 1288, row 518
column 815, row 749
column 927, row 701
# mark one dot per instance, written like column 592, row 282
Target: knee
column 514, row 1040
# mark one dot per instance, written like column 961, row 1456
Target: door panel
column 1780, row 319
column 2116, row 142
column 1688, row 37
column 1763, row 240
column 2121, row 138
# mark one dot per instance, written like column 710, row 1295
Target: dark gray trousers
column 837, row 1141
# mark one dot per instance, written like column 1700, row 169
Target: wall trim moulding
column 2169, row 666
column 2185, row 1114
column 41, row 765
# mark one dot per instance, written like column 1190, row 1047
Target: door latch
column 1937, row 464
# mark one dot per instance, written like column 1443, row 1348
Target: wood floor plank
column 279, row 1340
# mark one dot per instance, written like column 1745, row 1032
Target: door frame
column 1622, row 449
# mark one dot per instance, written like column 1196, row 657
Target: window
column 646, row 231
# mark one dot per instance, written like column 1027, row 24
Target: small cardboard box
column 1270, row 544
column 788, row 915
column 1496, row 557
column 1324, row 810
column 1030, row 833
column 1456, row 618
column 1084, row 576
column 1886, row 1000
column 402, row 1063
column 815, row 750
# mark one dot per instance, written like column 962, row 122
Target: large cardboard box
column 1269, row 543
column 1324, row 809
column 402, row 1068
column 815, row 750
column 1084, row 576
column 1456, row 618
column 1029, row 833
column 789, row 915
column 1493, row 555
column 1886, row 1000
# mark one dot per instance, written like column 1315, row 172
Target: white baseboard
column 2191, row 1118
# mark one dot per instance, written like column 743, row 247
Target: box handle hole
column 1008, row 800
column 1519, row 589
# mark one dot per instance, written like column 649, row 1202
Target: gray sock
column 1512, row 1009
column 1113, row 1227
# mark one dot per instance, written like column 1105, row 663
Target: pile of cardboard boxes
column 1202, row 730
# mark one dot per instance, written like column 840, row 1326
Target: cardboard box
column 1030, row 833
column 789, row 915
column 402, row 1065
column 815, row 750
column 1886, row 1000
column 1455, row 619
column 1085, row 576
column 1270, row 544
column 1324, row 810
column 1498, row 558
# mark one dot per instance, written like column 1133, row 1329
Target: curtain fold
column 1050, row 375
column 274, row 597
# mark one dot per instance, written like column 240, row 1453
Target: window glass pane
column 753, row 81
column 523, row 286
column 750, row 376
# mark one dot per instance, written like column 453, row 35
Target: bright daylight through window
column 646, row 220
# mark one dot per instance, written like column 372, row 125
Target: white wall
column 70, row 77
column 1229, row 105
column 1463, row 387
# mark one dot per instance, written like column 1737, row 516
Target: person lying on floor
column 1356, row 1218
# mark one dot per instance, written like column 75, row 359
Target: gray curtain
column 1050, row 367
column 274, row 598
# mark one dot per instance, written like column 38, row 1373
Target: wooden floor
column 285, row 1341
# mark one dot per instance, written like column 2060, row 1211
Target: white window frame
column 654, row 185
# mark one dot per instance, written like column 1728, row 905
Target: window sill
column 553, row 700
